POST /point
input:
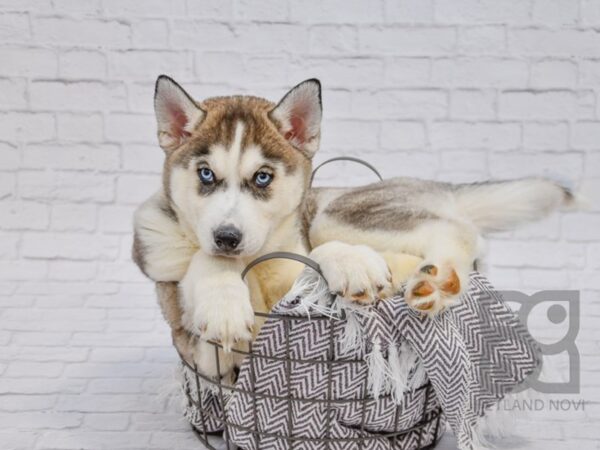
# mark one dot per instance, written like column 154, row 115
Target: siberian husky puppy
column 236, row 186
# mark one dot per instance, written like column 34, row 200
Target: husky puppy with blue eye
column 236, row 186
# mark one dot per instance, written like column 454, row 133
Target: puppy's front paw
column 222, row 312
column 433, row 288
column 355, row 272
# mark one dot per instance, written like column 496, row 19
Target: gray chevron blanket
column 377, row 371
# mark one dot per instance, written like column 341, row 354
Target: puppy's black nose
column 227, row 238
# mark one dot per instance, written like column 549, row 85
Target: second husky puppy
column 235, row 186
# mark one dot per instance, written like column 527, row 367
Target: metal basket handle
column 344, row 158
column 284, row 255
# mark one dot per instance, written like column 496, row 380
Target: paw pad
column 432, row 289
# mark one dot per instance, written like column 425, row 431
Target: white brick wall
column 448, row 89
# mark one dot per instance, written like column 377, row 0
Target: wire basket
column 416, row 422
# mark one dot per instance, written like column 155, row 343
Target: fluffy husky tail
column 499, row 206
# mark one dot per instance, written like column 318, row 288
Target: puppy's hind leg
column 444, row 273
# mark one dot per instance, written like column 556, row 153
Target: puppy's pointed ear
column 298, row 116
column 176, row 113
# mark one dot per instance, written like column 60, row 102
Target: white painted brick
column 161, row 438
column 592, row 164
column 545, row 229
column 147, row 8
column 211, row 9
column 107, row 422
column 259, row 38
column 121, row 272
column 70, row 246
column 78, row 6
column 261, row 10
column 581, row 227
column 14, row 27
column 9, row 157
column 472, row 104
column 23, row 369
column 117, row 355
column 78, row 96
column 151, row 422
column 545, row 136
column 553, row 73
column 590, row 188
column 115, row 386
column 593, row 255
column 586, row 135
column 136, row 64
column 402, row 135
column 426, row 164
column 142, row 158
column 408, row 11
column 8, row 245
column 412, row 104
column 75, row 440
column 407, row 41
column 60, row 301
column 547, row 42
column 590, row 12
column 85, row 32
column 458, row 135
column 133, row 189
column 215, row 36
column 589, row 73
column 82, row 64
column 23, row 270
column 23, row 420
column 12, row 93
column 481, row 72
column 131, row 128
column 219, row 66
column 80, row 127
column 73, row 217
column 351, row 135
column 152, row 33
column 18, row 440
column 76, row 157
column 485, row 40
column 338, row 104
column 8, row 185
column 275, row 66
column 34, row 61
column 554, row 12
column 544, row 279
column 27, row 127
column 23, row 215
column 536, row 254
column 482, row 11
column 407, row 72
column 466, row 161
column 71, row 270
column 332, row 39
column 514, row 165
column 67, row 288
column 69, row 186
column 343, row 72
column 42, row 339
column 552, row 105
column 339, row 11
column 116, row 219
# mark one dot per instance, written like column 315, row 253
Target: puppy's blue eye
column 206, row 175
column 263, row 179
